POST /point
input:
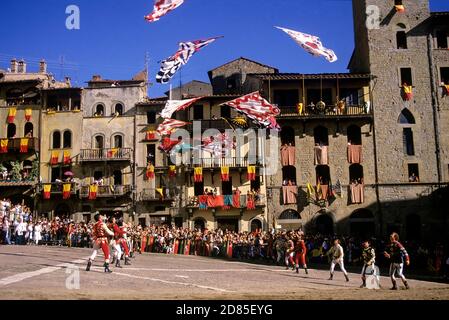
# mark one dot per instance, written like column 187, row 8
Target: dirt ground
column 29, row 272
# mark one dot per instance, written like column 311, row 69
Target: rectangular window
column 409, row 148
column 444, row 75
column 286, row 98
column 226, row 187
column 413, row 172
column 199, row 188
column 350, row 96
column 442, row 39
column 255, row 185
column 398, row 2
column 406, row 76
column 401, row 40
column 225, row 111
column 55, row 174
column 316, row 95
column 151, row 117
column 198, row 112
column 151, row 153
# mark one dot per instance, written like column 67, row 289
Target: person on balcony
column 413, row 178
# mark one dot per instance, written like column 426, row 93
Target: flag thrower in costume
column 172, row 64
column 161, row 8
column 311, row 44
column 176, row 105
column 256, row 108
column 169, row 125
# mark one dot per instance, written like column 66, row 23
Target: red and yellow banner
column 67, row 159
column 4, row 146
column 66, row 190
column 300, row 107
column 47, row 191
column 161, row 192
column 150, row 172
column 93, row 190
column 408, row 92
column 446, row 89
column 224, row 173
column 399, row 8
column 12, row 115
column 151, row 135
column 172, row 171
column 28, row 113
column 24, row 145
column 112, row 153
column 54, row 157
column 251, row 173
column 198, row 174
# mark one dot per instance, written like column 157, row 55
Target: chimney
column 22, row 67
column 42, row 66
column 14, row 66
column 96, row 78
column 68, row 81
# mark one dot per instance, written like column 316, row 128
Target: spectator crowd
column 18, row 227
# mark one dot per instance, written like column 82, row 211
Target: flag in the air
column 169, row 125
column 237, row 122
column 172, row 64
column 161, row 8
column 256, row 108
column 311, row 44
column 176, row 105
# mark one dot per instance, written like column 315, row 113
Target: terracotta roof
column 300, row 76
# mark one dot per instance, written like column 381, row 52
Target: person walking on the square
column 337, row 255
column 397, row 255
column 300, row 253
column 369, row 258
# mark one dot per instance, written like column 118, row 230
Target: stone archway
column 255, row 225
column 362, row 223
column 324, row 224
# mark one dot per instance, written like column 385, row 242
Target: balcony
column 108, row 191
column 14, row 145
column 232, row 162
column 331, row 111
column 214, row 202
column 150, row 194
column 56, row 187
column 119, row 154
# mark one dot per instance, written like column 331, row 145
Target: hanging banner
column 54, row 157
column 4, row 146
column 251, row 175
column 93, row 190
column 28, row 113
column 224, row 173
column 66, row 190
column 47, row 191
column 12, row 115
column 67, row 159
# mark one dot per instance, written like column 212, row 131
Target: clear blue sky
column 114, row 37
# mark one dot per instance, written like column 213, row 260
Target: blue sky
column 114, row 36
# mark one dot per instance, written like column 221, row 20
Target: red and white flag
column 161, row 8
column 166, row 127
column 176, row 105
column 256, row 108
column 311, row 44
column 172, row 64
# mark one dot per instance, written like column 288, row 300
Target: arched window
column 11, row 130
column 199, row 223
column 99, row 110
column 288, row 175
column 323, row 175
column 356, row 173
column 67, row 142
column 289, row 215
column 118, row 141
column 99, row 142
column 354, row 135
column 56, row 144
column 288, row 136
column 256, row 225
column 401, row 40
column 321, row 136
column 406, row 117
column 28, row 130
column 117, row 178
column 118, row 109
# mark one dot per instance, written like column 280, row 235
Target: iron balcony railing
column 329, row 111
column 111, row 154
column 151, row 194
column 232, row 162
column 57, row 187
column 107, row 191
column 259, row 201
